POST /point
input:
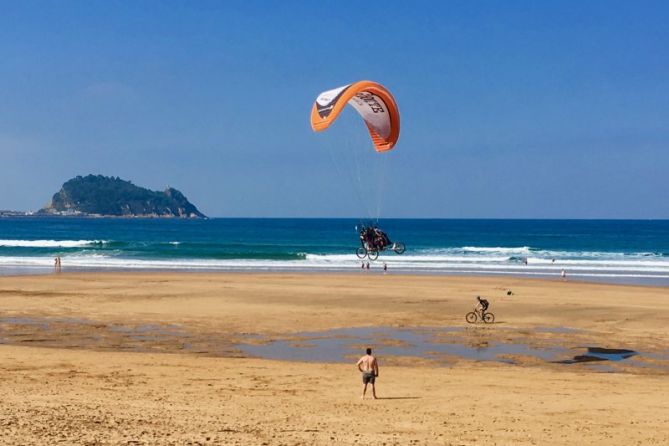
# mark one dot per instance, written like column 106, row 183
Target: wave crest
column 498, row 249
column 50, row 243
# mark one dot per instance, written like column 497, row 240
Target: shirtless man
column 370, row 371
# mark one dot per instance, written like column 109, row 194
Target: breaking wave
column 540, row 263
column 51, row 243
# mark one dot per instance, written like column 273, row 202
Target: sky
column 515, row 109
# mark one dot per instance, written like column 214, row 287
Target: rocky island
column 101, row 196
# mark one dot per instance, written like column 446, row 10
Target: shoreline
column 571, row 277
column 633, row 252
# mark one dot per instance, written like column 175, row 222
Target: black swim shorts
column 368, row 377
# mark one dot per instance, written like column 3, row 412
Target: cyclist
column 482, row 305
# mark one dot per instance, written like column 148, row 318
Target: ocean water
column 598, row 250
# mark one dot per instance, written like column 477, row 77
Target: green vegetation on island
column 98, row 195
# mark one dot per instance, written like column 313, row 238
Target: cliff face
column 108, row 196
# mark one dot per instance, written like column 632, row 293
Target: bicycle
column 477, row 314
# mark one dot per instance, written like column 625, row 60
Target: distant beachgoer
column 369, row 367
column 482, row 304
column 553, row 261
column 385, row 267
column 362, row 265
column 563, row 274
column 367, row 265
column 525, row 260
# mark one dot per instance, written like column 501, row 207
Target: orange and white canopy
column 373, row 102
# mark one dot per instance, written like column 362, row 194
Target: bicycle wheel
column 373, row 255
column 361, row 252
column 470, row 317
column 399, row 248
column 488, row 318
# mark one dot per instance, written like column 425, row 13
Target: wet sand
column 154, row 358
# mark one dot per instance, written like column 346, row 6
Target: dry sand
column 151, row 358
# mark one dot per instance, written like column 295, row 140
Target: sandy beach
column 221, row 220
column 158, row 358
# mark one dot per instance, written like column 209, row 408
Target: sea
column 616, row 251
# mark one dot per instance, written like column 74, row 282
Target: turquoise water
column 615, row 251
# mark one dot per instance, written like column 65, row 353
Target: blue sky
column 509, row 109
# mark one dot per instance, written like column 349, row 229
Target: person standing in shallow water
column 369, row 368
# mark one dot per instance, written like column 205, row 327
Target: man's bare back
column 367, row 364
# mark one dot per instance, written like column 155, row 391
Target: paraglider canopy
column 372, row 101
